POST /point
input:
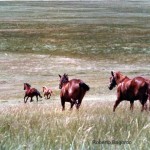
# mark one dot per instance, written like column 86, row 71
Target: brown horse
column 30, row 92
column 72, row 91
column 47, row 92
column 148, row 82
column 129, row 89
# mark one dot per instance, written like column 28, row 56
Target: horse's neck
column 65, row 83
column 122, row 78
column 28, row 88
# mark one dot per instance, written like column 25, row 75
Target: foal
column 47, row 92
column 129, row 89
column 30, row 92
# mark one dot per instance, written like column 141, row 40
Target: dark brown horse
column 129, row 89
column 72, row 91
column 30, row 92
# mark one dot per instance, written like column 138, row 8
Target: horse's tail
column 84, row 86
column 39, row 94
column 148, row 89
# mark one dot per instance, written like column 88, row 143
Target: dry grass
column 42, row 126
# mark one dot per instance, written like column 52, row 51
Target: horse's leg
column 37, row 98
column 82, row 93
column 72, row 104
column 131, row 105
column 25, row 99
column 78, row 105
column 116, row 104
column 45, row 95
column 142, row 108
column 145, row 106
column 31, row 100
column 149, row 101
column 143, row 102
column 49, row 95
column 63, row 104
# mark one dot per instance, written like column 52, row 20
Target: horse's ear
column 59, row 75
column 112, row 73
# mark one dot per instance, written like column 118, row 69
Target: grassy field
column 40, row 40
column 45, row 126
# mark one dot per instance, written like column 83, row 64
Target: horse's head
column 43, row 88
column 63, row 79
column 116, row 78
column 113, row 82
column 26, row 85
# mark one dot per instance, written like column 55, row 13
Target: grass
column 63, row 29
column 88, row 41
column 37, row 126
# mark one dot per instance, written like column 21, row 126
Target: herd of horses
column 74, row 90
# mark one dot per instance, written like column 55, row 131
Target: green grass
column 99, row 30
column 37, row 126
column 88, row 41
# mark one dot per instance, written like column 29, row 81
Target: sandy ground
column 42, row 70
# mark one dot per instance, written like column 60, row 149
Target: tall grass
column 37, row 126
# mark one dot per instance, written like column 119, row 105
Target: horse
column 148, row 82
column 30, row 92
column 47, row 92
column 72, row 91
column 129, row 89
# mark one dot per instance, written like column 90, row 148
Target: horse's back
column 133, row 88
column 139, row 81
column 74, row 83
column 72, row 89
column 141, row 86
column 135, row 83
column 33, row 90
column 77, row 81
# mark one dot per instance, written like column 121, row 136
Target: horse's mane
column 27, row 84
column 120, row 76
column 65, row 76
